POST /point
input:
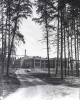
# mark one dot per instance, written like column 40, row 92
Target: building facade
column 34, row 62
column 39, row 62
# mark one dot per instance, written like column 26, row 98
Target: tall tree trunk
column 9, row 54
column 75, row 48
column 2, row 39
column 61, row 48
column 11, row 45
column 65, row 64
column 5, row 42
column 57, row 44
column 71, row 57
column 77, row 52
column 68, row 49
column 48, row 54
column 8, row 15
column 47, row 33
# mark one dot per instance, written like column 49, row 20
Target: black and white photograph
column 39, row 49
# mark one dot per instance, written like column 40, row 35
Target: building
column 39, row 62
column 34, row 62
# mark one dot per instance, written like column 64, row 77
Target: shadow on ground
column 30, row 80
column 69, row 81
column 33, row 79
column 10, row 84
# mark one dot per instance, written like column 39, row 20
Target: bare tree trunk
column 2, row 39
column 9, row 2
column 64, row 17
column 57, row 45
column 71, row 53
column 48, row 54
column 77, row 52
column 5, row 51
column 75, row 48
column 61, row 48
column 65, row 64
column 47, row 34
column 68, row 49
column 10, row 48
column 9, row 54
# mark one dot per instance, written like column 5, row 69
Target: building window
column 42, row 65
column 42, row 61
column 37, row 64
column 37, row 60
column 46, row 61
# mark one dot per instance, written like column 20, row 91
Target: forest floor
column 36, row 85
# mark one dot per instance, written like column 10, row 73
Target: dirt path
column 33, row 88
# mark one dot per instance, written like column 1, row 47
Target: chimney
column 25, row 52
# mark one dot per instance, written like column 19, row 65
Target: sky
column 32, row 34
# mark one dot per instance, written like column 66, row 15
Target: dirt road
column 34, row 88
